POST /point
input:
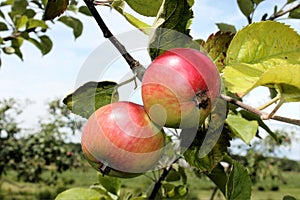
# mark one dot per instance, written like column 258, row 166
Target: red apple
column 119, row 139
column 180, row 87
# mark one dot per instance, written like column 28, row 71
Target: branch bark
column 261, row 114
column 135, row 65
column 281, row 12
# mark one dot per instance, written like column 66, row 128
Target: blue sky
column 55, row 75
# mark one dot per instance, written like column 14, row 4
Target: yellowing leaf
column 267, row 54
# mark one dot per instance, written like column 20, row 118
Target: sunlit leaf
column 54, row 8
column 34, row 23
column 239, row 183
column 267, row 54
column 21, row 22
column 242, row 128
column 250, row 116
column 111, row 184
column 91, row 96
column 144, row 27
column 73, row 23
column 145, row 7
column 79, row 194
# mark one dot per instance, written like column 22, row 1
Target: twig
column 161, row 178
column 281, row 12
column 261, row 114
column 135, row 66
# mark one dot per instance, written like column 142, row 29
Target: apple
column 180, row 87
column 120, row 140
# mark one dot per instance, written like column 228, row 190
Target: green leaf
column 257, row 1
column 34, row 23
column 208, row 146
column 111, row 184
column 219, row 177
column 172, row 28
column 3, row 26
column 290, row 1
column 54, row 8
column 46, row 44
column 21, row 21
column 174, row 192
column 173, row 176
column 226, row 27
column 84, row 10
column 250, row 116
column 267, row 54
column 216, row 46
column 16, row 43
column 246, row 6
column 242, row 128
column 30, row 13
column 19, row 6
column 79, row 194
column 145, row 7
column 144, row 27
column 91, row 96
column 73, row 23
column 239, row 183
column 197, row 156
column 295, row 13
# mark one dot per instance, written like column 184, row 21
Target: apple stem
column 135, row 66
column 261, row 114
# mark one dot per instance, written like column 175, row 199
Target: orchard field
column 200, row 188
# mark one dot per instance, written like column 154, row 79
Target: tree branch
column 281, row 12
column 135, row 66
column 162, row 177
column 261, row 114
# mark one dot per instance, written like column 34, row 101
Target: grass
column 199, row 188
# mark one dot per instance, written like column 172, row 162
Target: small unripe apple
column 180, row 87
column 120, row 140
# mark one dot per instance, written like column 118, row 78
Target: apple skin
column 180, row 87
column 120, row 140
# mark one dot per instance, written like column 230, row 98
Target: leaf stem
column 135, row 66
column 269, row 103
column 261, row 114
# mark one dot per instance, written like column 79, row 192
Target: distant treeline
column 285, row 164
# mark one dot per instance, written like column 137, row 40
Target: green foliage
column 91, row 96
column 23, row 22
column 145, row 7
column 55, row 8
column 172, row 28
column 79, row 193
column 239, row 183
column 255, row 59
column 31, row 155
column 242, row 128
